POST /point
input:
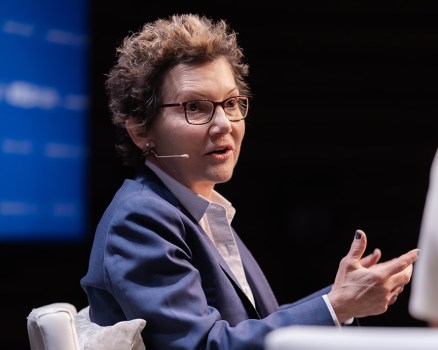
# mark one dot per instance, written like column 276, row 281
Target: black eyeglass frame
column 215, row 104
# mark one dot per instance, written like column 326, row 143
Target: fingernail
column 358, row 235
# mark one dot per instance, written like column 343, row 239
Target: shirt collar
column 195, row 204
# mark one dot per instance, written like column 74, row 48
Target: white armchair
column 59, row 326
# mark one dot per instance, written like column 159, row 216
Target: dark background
column 340, row 135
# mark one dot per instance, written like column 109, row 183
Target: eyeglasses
column 199, row 112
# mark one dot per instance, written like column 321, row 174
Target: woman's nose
column 220, row 119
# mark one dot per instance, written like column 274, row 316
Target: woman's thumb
column 359, row 245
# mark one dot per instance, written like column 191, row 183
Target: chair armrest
column 52, row 327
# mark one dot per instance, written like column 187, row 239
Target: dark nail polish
column 358, row 235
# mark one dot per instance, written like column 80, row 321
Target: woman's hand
column 364, row 287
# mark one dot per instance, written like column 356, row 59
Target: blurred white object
column 423, row 302
column 348, row 338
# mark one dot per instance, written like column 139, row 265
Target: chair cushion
column 122, row 335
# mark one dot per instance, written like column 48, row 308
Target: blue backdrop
column 43, row 120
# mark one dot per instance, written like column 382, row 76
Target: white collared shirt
column 214, row 216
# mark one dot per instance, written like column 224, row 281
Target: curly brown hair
column 134, row 83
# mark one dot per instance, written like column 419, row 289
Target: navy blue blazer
column 150, row 259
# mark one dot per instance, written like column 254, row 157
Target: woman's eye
column 231, row 103
column 192, row 107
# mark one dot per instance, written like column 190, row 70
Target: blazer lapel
column 252, row 311
column 265, row 299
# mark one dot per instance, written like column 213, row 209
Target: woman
column 165, row 249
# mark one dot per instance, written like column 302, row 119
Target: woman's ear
column 136, row 132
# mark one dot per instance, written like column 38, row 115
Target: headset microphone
column 185, row 155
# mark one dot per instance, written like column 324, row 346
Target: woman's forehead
column 186, row 79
